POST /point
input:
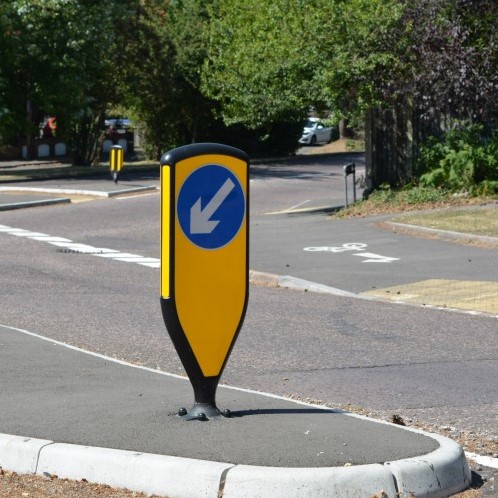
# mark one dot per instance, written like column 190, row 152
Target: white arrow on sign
column 199, row 218
column 375, row 258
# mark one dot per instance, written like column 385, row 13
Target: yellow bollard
column 116, row 161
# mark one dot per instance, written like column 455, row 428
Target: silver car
column 315, row 131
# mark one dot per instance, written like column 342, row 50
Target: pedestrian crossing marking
column 479, row 296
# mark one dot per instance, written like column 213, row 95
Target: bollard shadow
column 284, row 411
column 318, row 210
column 136, row 176
column 282, row 173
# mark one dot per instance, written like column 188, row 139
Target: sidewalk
column 78, row 415
column 25, row 184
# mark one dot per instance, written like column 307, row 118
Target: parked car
column 118, row 123
column 315, row 131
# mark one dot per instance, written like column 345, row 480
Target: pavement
column 80, row 415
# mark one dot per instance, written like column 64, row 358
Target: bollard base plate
column 203, row 412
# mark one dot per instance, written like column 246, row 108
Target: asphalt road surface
column 434, row 366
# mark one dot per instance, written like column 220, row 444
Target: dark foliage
column 448, row 59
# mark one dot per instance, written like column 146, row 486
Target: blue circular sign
column 211, row 206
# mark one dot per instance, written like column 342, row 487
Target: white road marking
column 349, row 246
column 26, row 233
column 487, row 461
column 47, row 238
column 68, row 244
column 354, row 246
column 298, row 205
column 375, row 258
column 157, row 264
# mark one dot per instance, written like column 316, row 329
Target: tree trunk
column 343, row 129
column 29, row 136
column 393, row 138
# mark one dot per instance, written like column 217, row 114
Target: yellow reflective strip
column 120, row 159
column 165, row 230
column 113, row 159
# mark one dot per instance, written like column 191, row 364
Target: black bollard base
column 203, row 412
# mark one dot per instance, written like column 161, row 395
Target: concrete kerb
column 361, row 481
column 444, row 233
column 20, row 454
column 42, row 202
column 289, row 282
column 443, row 472
column 147, row 473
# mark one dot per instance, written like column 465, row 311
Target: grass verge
column 431, row 208
column 482, row 221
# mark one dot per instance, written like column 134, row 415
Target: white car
column 315, row 131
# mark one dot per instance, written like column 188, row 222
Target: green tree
column 270, row 61
column 446, row 54
column 163, row 87
column 188, row 23
column 61, row 58
column 150, row 78
column 444, row 74
column 259, row 65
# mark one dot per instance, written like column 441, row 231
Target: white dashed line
column 51, row 240
column 68, row 244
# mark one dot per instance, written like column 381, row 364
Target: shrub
column 422, row 195
column 463, row 160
